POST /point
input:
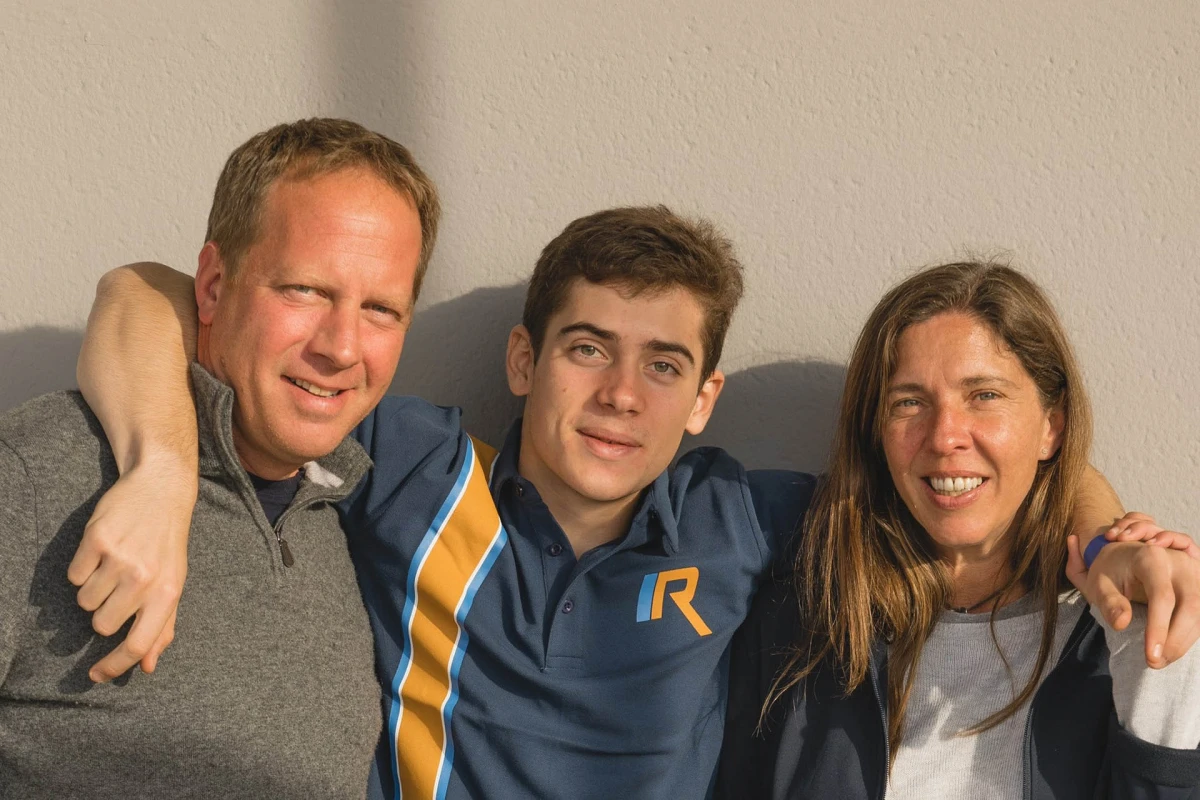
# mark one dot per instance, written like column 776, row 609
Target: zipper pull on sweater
column 285, row 552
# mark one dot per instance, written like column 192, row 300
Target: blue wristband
column 1093, row 550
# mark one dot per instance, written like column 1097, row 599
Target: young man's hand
column 1166, row 577
column 132, row 562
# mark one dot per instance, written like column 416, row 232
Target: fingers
column 86, row 559
column 126, row 598
column 150, row 661
column 1098, row 587
column 1106, row 595
column 1133, row 530
column 98, row 587
column 1160, row 604
column 1185, row 626
column 1076, row 569
column 1175, row 540
column 1127, row 520
column 148, row 632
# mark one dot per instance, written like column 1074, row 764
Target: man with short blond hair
column 319, row 234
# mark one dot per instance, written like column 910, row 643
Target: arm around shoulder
column 133, row 365
column 133, row 372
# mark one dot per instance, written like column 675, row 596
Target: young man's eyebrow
column 587, row 327
column 659, row 346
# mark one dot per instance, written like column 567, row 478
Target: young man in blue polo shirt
column 552, row 621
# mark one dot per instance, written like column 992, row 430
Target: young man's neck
column 587, row 523
column 587, row 526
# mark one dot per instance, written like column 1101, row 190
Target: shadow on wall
column 35, row 361
column 454, row 356
column 775, row 415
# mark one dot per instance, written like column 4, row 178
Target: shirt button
column 568, row 607
column 520, row 490
column 555, row 549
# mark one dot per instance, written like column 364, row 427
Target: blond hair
column 306, row 149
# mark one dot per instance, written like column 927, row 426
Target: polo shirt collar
column 653, row 519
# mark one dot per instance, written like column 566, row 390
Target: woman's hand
column 1166, row 578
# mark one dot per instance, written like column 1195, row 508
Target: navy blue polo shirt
column 511, row 669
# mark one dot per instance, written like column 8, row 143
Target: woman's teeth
column 952, row 487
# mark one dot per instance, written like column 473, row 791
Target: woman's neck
column 977, row 578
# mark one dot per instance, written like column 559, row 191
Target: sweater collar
column 331, row 477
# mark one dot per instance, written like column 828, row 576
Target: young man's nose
column 619, row 389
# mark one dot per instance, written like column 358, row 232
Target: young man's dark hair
column 643, row 248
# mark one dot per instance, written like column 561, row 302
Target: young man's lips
column 607, row 443
column 609, row 438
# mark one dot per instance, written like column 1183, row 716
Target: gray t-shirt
column 961, row 680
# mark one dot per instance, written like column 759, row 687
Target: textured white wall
column 840, row 143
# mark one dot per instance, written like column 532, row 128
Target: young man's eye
column 587, row 350
column 663, row 368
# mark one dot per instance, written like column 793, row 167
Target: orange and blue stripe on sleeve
column 455, row 555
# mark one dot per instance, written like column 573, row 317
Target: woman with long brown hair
column 928, row 642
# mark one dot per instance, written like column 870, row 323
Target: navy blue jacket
column 821, row 743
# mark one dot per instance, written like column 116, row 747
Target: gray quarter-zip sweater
column 268, row 690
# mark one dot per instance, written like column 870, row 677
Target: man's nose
column 620, row 388
column 338, row 339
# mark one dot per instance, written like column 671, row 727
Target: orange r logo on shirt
column 654, row 586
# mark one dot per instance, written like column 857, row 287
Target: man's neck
column 259, row 466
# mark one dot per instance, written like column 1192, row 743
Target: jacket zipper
column 887, row 747
column 1072, row 644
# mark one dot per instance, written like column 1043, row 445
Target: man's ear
column 211, row 277
column 518, row 361
column 706, row 401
